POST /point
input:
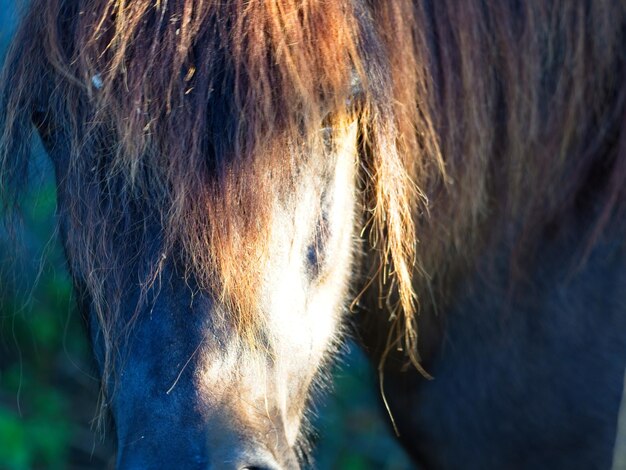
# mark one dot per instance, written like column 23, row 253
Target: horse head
column 213, row 185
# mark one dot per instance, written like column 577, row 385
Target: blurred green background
column 48, row 388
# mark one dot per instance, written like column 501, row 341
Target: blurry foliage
column 352, row 428
column 47, row 386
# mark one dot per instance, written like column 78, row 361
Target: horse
column 244, row 184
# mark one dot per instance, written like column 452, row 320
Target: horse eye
column 315, row 251
column 313, row 260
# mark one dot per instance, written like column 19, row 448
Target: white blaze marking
column 302, row 315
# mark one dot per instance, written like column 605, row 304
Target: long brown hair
column 497, row 112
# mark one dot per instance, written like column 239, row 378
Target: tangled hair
column 502, row 114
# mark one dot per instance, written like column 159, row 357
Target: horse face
column 186, row 390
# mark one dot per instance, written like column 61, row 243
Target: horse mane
column 492, row 111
